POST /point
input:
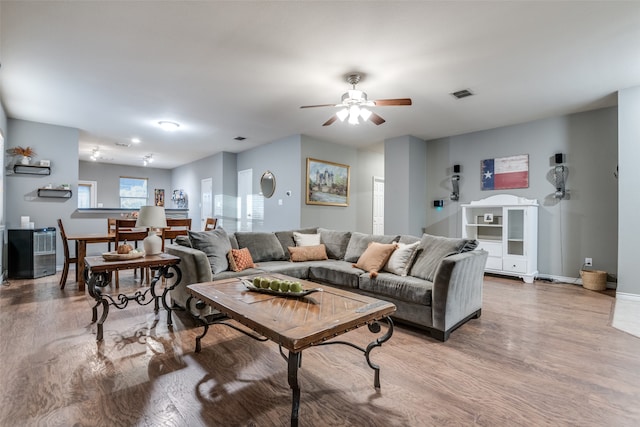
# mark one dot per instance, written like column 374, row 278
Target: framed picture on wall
column 503, row 173
column 159, row 196
column 327, row 183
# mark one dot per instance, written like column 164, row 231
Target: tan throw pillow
column 308, row 253
column 240, row 259
column 375, row 257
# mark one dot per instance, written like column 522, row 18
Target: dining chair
column 126, row 231
column 111, row 228
column 175, row 227
column 67, row 257
column 210, row 224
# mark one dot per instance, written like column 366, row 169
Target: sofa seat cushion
column 359, row 242
column 407, row 288
column 231, row 274
column 263, row 246
column 299, row 270
column 335, row 272
column 335, row 241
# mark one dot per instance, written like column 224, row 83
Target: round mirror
column 268, row 184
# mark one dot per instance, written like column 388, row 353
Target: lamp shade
column 152, row 217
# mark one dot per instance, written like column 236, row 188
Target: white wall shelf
column 506, row 226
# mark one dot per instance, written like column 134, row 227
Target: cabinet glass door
column 515, row 231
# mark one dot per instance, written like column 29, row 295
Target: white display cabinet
column 506, row 226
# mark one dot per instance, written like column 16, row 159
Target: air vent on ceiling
column 123, row 144
column 462, row 93
column 239, row 138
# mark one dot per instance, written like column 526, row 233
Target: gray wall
column 332, row 217
column 405, row 185
column 59, row 145
column 3, row 131
column 629, row 177
column 369, row 164
column 108, row 178
column 282, row 158
column 584, row 225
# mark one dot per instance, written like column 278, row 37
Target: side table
column 98, row 275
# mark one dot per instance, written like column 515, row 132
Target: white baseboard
column 628, row 297
column 572, row 280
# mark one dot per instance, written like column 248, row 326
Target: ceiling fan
column 355, row 105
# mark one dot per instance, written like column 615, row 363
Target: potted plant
column 25, row 152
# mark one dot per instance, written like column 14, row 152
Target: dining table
column 81, row 241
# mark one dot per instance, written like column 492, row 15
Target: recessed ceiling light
column 168, row 126
column 135, row 140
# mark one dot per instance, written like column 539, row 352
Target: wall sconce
column 455, row 183
column 560, row 176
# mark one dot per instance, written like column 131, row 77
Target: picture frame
column 327, row 183
column 159, row 196
column 488, row 217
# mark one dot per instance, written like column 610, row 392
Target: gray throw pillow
column 432, row 250
column 183, row 241
column 262, row 246
column 215, row 244
column 335, row 242
column 360, row 241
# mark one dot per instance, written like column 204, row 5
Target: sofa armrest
column 457, row 289
column 195, row 268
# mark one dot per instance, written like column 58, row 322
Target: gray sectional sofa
column 441, row 290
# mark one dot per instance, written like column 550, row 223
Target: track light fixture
column 147, row 159
column 95, row 154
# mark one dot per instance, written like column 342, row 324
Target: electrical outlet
column 588, row 262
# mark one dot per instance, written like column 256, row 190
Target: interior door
column 206, row 200
column 245, row 200
column 378, row 205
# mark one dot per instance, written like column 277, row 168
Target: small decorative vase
column 25, row 160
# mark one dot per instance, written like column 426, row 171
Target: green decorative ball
column 295, row 287
column 256, row 281
column 264, row 283
column 275, row 285
column 284, row 286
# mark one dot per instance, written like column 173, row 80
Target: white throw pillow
column 401, row 259
column 306, row 239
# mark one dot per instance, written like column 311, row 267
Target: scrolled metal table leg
column 293, row 364
column 168, row 275
column 199, row 337
column 375, row 327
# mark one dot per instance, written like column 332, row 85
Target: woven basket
column 595, row 280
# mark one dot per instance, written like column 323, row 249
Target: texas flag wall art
column 503, row 173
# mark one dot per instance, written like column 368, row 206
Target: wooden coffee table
column 296, row 323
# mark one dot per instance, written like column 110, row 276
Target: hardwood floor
column 540, row 355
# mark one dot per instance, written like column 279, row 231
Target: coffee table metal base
column 294, row 359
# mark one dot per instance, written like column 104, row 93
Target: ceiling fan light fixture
column 365, row 114
column 342, row 114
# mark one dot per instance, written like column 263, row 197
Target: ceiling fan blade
column 331, row 120
column 391, row 102
column 321, row 105
column 376, row 119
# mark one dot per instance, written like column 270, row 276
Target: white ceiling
column 226, row 69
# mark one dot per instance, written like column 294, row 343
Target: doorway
column 245, row 200
column 206, row 201
column 378, row 205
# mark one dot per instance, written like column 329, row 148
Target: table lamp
column 152, row 217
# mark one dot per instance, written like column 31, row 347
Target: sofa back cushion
column 262, row 246
column 432, row 250
column 335, row 242
column 286, row 238
column 360, row 241
column 215, row 244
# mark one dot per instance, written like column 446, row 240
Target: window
column 133, row 192
column 87, row 194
